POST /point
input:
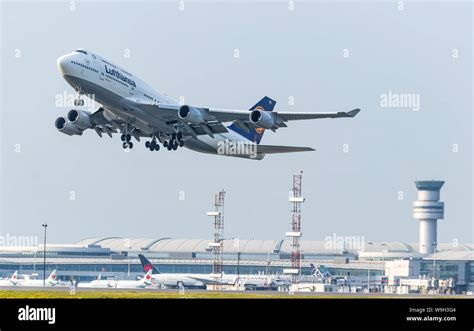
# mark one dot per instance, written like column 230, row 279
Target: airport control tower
column 428, row 210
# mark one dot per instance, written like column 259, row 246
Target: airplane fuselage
column 114, row 88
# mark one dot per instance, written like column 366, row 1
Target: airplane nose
column 62, row 64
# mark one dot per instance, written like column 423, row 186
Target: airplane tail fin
column 147, row 278
column 147, row 265
column 313, row 269
column 320, row 271
column 52, row 277
column 255, row 134
column 99, row 277
column 14, row 277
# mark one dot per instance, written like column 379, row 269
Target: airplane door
column 99, row 67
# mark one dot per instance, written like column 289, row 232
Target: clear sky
column 325, row 56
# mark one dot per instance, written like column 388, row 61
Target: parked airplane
column 130, row 106
column 50, row 281
column 321, row 274
column 261, row 282
column 96, row 283
column 201, row 280
column 141, row 283
column 12, row 281
column 172, row 279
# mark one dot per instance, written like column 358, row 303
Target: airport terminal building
column 118, row 257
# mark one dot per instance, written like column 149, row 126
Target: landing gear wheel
column 147, row 144
column 122, row 137
column 157, row 147
column 125, row 145
column 130, row 145
column 175, row 145
column 128, row 137
column 169, row 147
column 173, row 136
column 181, row 143
column 78, row 102
column 179, row 136
column 165, row 144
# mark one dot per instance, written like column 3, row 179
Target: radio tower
column 218, row 246
column 295, row 199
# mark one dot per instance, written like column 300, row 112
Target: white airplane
column 96, row 283
column 201, row 280
column 130, row 106
column 171, row 279
column 50, row 281
column 142, row 283
column 12, row 281
column 262, row 282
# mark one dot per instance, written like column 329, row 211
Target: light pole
column 368, row 271
column 45, row 226
column 238, row 265
column 382, row 285
column 434, row 259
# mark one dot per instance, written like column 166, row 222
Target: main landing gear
column 172, row 144
column 175, row 142
column 152, row 145
column 126, row 138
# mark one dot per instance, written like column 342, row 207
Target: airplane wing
column 270, row 149
column 77, row 121
column 101, row 124
column 168, row 114
column 227, row 115
column 212, row 118
column 207, row 281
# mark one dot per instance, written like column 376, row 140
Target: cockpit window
column 81, row 51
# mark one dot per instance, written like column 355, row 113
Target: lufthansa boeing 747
column 131, row 107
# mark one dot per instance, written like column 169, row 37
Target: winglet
column 353, row 112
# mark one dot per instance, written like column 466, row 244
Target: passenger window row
column 84, row 66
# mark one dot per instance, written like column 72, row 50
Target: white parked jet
column 201, row 280
column 142, row 283
column 96, row 283
column 12, row 281
column 50, row 281
column 130, row 106
column 171, row 279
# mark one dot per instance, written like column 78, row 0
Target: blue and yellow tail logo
column 266, row 104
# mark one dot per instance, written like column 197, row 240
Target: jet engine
column 191, row 114
column 263, row 119
column 80, row 119
column 67, row 127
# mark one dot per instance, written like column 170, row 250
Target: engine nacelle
column 67, row 127
column 263, row 119
column 190, row 114
column 80, row 119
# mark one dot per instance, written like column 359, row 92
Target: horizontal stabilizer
column 270, row 149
